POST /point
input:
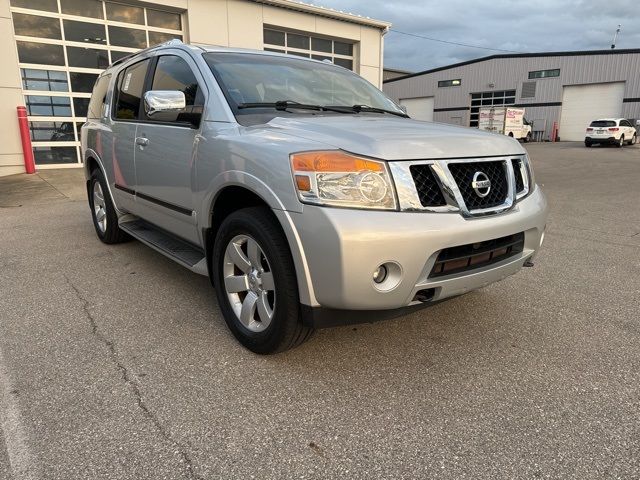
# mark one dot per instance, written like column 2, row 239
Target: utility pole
column 615, row 37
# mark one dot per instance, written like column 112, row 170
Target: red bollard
column 27, row 151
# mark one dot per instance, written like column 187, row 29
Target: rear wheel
column 620, row 143
column 105, row 218
column 256, row 282
column 587, row 143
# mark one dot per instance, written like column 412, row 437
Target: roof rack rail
column 173, row 41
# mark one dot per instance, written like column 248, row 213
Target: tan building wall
column 11, row 158
column 234, row 23
column 239, row 23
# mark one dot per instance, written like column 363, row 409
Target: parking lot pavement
column 119, row 364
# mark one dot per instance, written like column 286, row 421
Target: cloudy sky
column 522, row 26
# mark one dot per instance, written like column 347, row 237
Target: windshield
column 248, row 78
column 603, row 123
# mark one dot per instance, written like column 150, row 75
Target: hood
column 396, row 138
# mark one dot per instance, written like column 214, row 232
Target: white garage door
column 581, row 104
column 420, row 108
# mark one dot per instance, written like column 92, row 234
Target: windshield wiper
column 367, row 108
column 283, row 105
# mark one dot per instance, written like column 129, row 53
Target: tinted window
column 125, row 13
column 83, row 8
column 80, row 106
column 36, row 26
column 52, row 131
column 173, row 73
column 87, row 57
column 156, row 18
column 46, row 155
column 32, row 52
column 127, row 37
column 115, row 55
column 603, row 123
column 129, row 90
column 98, row 97
column 343, row 62
column 321, row 45
column 51, row 80
column 45, row 106
column 273, row 37
column 46, row 5
column 82, row 82
column 160, row 37
column 343, row 48
column 297, row 41
column 84, row 32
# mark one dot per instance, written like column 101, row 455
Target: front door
column 165, row 148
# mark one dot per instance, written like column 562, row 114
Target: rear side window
column 98, row 97
column 129, row 87
column 603, row 123
column 174, row 73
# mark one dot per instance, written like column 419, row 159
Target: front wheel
column 256, row 282
column 527, row 139
column 633, row 140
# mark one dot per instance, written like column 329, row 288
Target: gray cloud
column 534, row 26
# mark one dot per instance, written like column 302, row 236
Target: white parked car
column 616, row 131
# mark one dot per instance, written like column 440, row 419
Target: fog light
column 380, row 275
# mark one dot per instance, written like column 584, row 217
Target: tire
column 633, row 140
column 587, row 144
column 261, row 310
column 511, row 134
column 620, row 143
column 103, row 213
column 527, row 139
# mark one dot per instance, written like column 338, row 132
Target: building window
column 544, row 73
column 318, row 48
column 62, row 52
column 449, row 83
column 487, row 100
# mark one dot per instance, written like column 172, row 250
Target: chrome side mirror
column 163, row 101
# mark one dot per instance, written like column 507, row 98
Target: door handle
column 142, row 141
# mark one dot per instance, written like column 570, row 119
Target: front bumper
column 343, row 248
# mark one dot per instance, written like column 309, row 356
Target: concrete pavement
column 122, row 367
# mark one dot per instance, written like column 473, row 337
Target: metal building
column 570, row 88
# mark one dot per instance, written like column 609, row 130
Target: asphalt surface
column 115, row 362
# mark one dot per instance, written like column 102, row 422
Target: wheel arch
column 235, row 195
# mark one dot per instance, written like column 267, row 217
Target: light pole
column 615, row 37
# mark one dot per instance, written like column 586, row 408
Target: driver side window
column 174, row 73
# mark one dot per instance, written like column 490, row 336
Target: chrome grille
column 427, row 186
column 463, row 174
column 517, row 172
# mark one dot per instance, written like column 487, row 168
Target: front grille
column 517, row 172
column 463, row 175
column 428, row 190
column 475, row 255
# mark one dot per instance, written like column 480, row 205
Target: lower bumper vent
column 476, row 255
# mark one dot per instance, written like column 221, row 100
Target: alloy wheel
column 249, row 283
column 99, row 207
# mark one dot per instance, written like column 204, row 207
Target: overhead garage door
column 581, row 104
column 420, row 108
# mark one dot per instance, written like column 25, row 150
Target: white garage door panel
column 581, row 104
column 419, row 108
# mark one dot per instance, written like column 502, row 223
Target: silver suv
column 308, row 197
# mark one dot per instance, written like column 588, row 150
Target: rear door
column 166, row 146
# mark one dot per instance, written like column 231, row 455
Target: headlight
column 339, row 179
